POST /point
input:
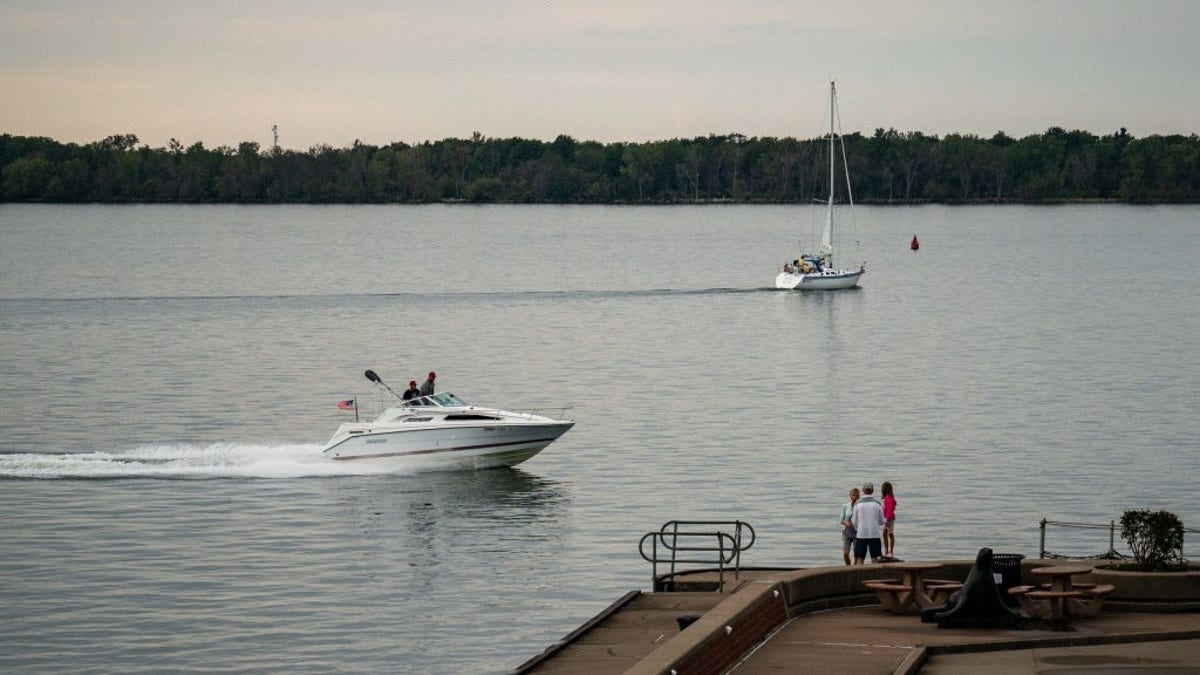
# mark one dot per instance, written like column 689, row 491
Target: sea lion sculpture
column 977, row 604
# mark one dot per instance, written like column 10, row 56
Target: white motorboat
column 816, row 271
column 441, row 431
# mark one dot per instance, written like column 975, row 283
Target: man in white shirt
column 868, row 525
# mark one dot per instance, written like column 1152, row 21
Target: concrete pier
column 822, row 620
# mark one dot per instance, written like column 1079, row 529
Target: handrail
column 373, row 408
column 726, row 547
column 738, row 526
column 1111, row 554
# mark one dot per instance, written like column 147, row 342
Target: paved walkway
column 869, row 640
column 1140, row 658
column 629, row 634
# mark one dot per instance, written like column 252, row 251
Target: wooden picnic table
column 910, row 594
column 1063, row 600
column 1060, row 575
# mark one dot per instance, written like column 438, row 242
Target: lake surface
column 170, row 373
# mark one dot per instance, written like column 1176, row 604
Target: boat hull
column 817, row 281
column 447, row 448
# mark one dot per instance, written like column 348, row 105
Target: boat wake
column 186, row 462
column 403, row 296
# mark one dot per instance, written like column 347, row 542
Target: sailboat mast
column 827, row 233
column 832, row 109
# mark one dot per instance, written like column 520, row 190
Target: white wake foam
column 219, row 460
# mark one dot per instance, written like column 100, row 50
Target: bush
column 1155, row 538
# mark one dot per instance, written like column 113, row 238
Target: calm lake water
column 170, row 373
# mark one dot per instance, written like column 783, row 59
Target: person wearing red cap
column 427, row 385
column 412, row 391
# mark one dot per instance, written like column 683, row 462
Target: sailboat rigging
column 816, row 271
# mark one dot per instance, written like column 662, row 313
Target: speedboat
column 441, row 431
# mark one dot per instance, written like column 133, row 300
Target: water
column 170, row 373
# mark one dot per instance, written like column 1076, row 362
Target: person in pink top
column 889, row 519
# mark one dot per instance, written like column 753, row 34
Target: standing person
column 889, row 519
column 412, row 391
column 868, row 525
column 427, row 385
column 847, row 526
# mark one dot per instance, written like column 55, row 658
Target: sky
column 222, row 72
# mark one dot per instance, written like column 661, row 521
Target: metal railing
column 677, row 543
column 1111, row 526
column 368, row 407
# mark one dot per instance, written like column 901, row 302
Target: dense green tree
column 639, row 164
column 27, row 178
column 961, row 162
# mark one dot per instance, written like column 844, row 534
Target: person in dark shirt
column 412, row 391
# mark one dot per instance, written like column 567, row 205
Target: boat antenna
column 370, row 375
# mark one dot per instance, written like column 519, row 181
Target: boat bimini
column 442, row 432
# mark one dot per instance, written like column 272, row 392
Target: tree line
column 886, row 167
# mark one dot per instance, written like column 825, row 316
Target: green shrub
column 1155, row 538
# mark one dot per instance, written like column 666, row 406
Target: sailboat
column 816, row 271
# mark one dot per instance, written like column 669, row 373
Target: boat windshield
column 437, row 400
column 445, row 400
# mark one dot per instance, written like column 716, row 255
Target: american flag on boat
column 348, row 404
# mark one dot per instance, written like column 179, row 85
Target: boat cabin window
column 418, row 419
column 471, row 416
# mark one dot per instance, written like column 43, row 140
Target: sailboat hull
column 830, row 280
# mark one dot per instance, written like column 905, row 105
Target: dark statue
column 978, row 604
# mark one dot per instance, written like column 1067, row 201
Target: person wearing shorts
column 848, row 534
column 868, row 526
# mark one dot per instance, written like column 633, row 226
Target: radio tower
column 275, row 134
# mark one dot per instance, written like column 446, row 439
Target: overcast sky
column 332, row 71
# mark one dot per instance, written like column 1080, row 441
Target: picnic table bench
column 1061, row 600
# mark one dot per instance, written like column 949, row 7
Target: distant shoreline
column 704, row 202
column 889, row 168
